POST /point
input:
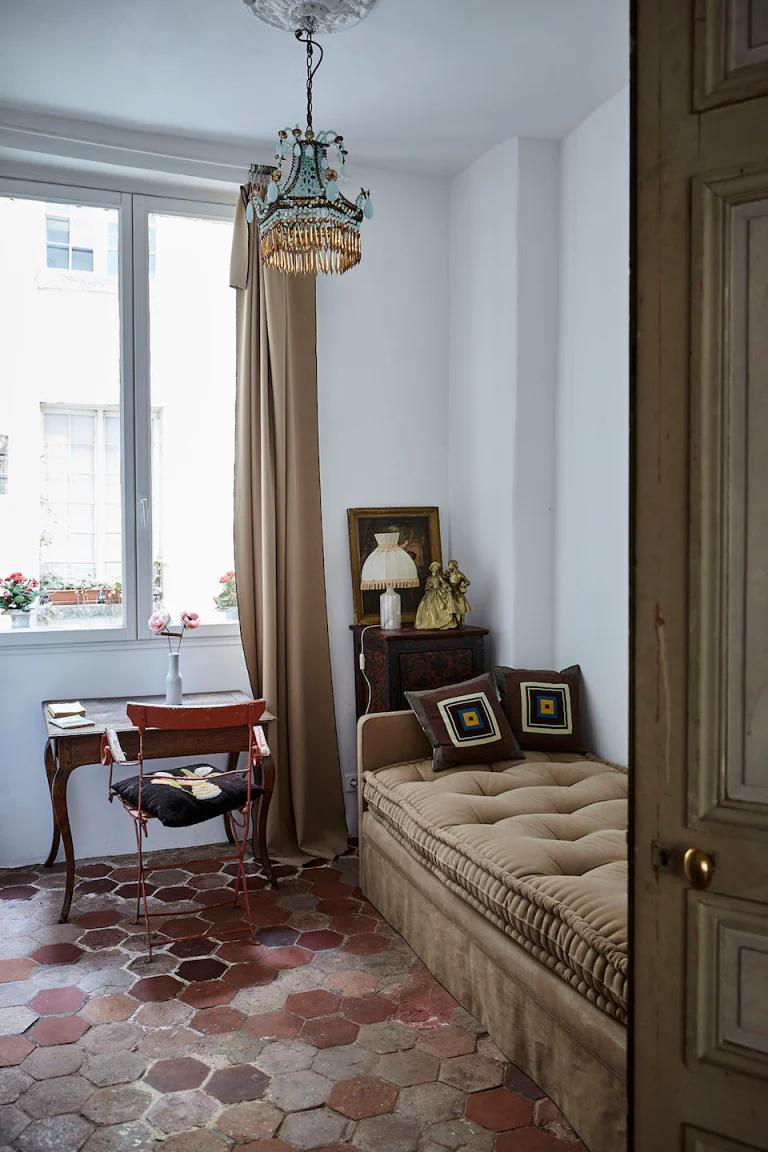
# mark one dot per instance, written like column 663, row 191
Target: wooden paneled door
column 700, row 577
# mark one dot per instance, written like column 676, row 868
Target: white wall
column 383, row 395
column 592, row 575
column 503, row 333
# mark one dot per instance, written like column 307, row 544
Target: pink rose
column 190, row 619
column 158, row 622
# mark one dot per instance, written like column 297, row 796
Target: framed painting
column 419, row 535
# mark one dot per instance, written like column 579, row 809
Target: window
column 59, row 254
column 192, row 383
column 3, row 465
column 122, row 418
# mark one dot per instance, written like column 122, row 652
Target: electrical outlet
column 350, row 783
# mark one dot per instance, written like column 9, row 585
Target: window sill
column 89, row 640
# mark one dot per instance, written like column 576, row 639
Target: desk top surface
column 109, row 711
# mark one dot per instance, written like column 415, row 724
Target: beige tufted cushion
column 538, row 846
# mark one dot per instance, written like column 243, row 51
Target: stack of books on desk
column 69, row 714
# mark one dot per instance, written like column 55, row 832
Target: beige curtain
column 279, row 549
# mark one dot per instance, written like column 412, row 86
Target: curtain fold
column 279, row 549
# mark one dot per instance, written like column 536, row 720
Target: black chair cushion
column 180, row 797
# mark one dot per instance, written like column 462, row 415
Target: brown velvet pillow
column 464, row 724
column 543, row 708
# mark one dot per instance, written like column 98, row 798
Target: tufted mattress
column 538, row 846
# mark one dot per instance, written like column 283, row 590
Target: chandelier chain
column 304, row 35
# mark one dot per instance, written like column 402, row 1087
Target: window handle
column 143, row 510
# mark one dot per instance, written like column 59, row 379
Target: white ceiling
column 427, row 84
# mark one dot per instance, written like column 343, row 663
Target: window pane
column 192, row 380
column 57, row 257
column 57, row 230
column 82, row 259
column 61, row 405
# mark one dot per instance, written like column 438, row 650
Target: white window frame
column 135, row 458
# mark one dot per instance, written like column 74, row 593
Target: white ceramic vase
column 19, row 619
column 173, row 680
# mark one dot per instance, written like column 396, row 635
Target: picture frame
column 419, row 530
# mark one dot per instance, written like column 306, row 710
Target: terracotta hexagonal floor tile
column 182, row 926
column 321, row 941
column 429, row 1103
column 251, row 1120
column 250, row 974
column 56, row 1001
column 289, row 957
column 471, row 1073
column 176, row 1075
column 212, row 1021
column 446, row 1041
column 532, row 1140
column 208, row 994
column 14, row 1049
column 99, row 919
column 96, row 887
column 363, row 1096
column 58, row 954
column 197, row 946
column 388, row 1133
column 173, row 895
column 69, row 1132
column 329, row 1031
column 276, row 935
column 241, row 951
column 276, row 1146
column 153, row 988
column 499, row 1109
column 280, row 1025
column 367, row 1009
column 18, row 892
column 338, row 906
column 236, row 1083
column 315, row 1003
column 106, row 1009
column 12, row 970
column 58, row 1030
column 207, row 968
column 352, row 982
column 48, row 1063
column 352, row 924
column 102, row 938
column 366, row 944
column 198, row 867
column 407, row 1068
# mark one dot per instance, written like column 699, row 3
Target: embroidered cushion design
column 542, row 707
column 464, row 724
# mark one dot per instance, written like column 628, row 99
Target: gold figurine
column 444, row 603
column 458, row 584
column 436, row 609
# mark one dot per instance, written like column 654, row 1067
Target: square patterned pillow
column 465, row 724
column 543, row 708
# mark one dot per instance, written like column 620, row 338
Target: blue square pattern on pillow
column 546, row 707
column 469, row 720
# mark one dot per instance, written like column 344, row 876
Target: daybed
column 510, row 882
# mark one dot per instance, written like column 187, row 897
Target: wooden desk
column 68, row 749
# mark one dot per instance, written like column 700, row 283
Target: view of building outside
column 60, row 422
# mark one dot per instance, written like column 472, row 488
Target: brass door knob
column 698, row 868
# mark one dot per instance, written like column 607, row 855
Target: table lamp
column 389, row 566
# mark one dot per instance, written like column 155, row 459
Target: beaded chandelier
column 306, row 224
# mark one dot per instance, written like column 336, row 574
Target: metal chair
column 182, row 797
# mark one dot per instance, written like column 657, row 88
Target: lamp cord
column 361, row 662
column 304, row 36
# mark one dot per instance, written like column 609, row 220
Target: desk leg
column 50, row 771
column 232, row 760
column 61, row 814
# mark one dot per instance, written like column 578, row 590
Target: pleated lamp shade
column 388, row 567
